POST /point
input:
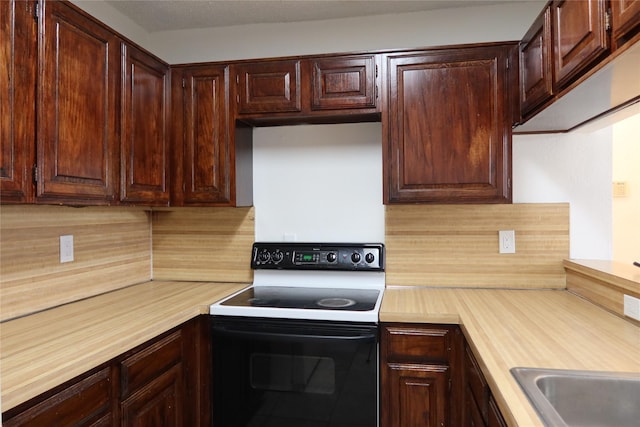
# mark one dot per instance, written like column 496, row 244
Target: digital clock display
column 307, row 257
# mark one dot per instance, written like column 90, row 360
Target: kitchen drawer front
column 407, row 344
column 146, row 365
column 85, row 403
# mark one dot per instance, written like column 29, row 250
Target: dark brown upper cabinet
column 77, row 129
column 579, row 37
column 594, row 51
column 268, row 87
column 310, row 89
column 343, row 83
column 447, row 125
column 536, row 71
column 202, row 157
column 145, row 129
column 18, row 52
column 625, row 19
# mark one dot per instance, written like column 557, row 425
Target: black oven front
column 294, row 373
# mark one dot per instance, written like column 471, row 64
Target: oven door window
column 282, row 380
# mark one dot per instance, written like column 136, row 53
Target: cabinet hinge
column 237, row 79
column 35, row 174
column 36, row 10
column 184, row 83
column 376, row 70
column 508, row 63
column 607, row 20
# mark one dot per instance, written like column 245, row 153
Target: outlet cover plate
column 66, row 248
column 507, row 241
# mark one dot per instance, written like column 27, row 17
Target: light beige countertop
column 45, row 349
column 529, row 328
column 506, row 328
column 622, row 275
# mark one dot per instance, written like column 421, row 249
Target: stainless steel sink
column 582, row 398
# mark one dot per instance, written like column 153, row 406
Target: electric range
column 314, row 281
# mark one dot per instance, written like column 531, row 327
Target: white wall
column 318, row 183
column 418, row 29
column 397, row 31
column 574, row 168
column 116, row 20
column 626, row 210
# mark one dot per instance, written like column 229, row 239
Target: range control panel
column 318, row 256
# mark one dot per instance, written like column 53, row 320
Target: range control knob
column 355, row 257
column 264, row 256
column 277, row 256
column 369, row 257
column 332, row 257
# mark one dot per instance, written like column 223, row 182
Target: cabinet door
column 145, row 127
column 152, row 384
column 77, row 130
column 87, row 402
column 343, row 83
column 579, row 37
column 415, row 396
column 18, row 36
column 268, row 87
column 536, row 76
column 158, row 403
column 202, row 152
column 625, row 18
column 447, row 135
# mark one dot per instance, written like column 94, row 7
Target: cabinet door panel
column 449, row 127
column 77, row 132
column 144, row 121
column 268, row 87
column 204, row 155
column 536, row 78
column 625, row 18
column 159, row 403
column 18, row 36
column 417, row 396
column 343, row 83
column 579, row 36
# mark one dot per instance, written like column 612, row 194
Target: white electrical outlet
column 507, row 241
column 66, row 248
column 632, row 307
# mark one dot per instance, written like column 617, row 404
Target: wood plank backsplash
column 111, row 251
column 457, row 245
column 208, row 244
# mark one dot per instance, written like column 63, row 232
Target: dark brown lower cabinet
column 163, row 382
column 480, row 409
column 420, row 375
column 85, row 401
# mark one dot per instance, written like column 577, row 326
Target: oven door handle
column 283, row 336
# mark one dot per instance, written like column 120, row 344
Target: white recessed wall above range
column 318, row 183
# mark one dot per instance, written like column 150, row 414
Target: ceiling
column 166, row 15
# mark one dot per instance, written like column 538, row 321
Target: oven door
column 279, row 372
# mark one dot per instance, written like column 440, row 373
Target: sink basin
column 582, row 398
